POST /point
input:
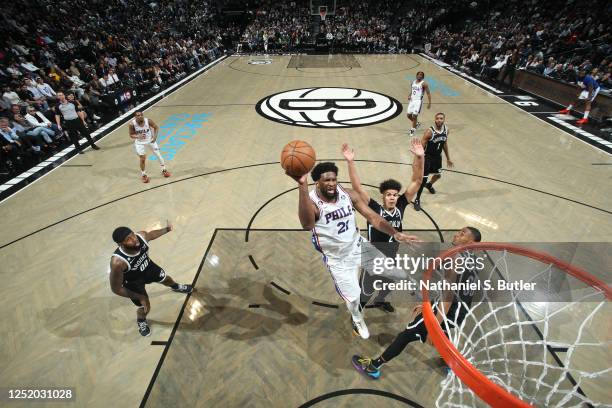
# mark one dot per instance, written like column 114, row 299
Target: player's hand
column 416, row 147
column 349, row 154
column 416, row 311
column 169, row 225
column 449, row 164
column 144, row 301
column 301, row 180
column 401, row 237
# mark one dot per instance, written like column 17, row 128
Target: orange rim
column 487, row 390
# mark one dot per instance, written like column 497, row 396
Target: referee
column 74, row 121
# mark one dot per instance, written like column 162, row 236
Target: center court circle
column 329, row 108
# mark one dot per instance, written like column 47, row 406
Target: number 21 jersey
column 335, row 233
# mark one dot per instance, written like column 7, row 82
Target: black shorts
column 433, row 165
column 152, row 274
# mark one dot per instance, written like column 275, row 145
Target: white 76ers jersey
column 417, row 90
column 335, row 232
column 143, row 130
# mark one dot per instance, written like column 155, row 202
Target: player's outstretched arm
column 377, row 221
column 307, row 211
column 418, row 165
column 151, row 235
column 349, row 155
column 448, row 295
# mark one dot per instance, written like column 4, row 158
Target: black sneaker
column 144, row 329
column 417, row 205
column 81, row 152
column 430, row 188
column 386, row 306
column 93, row 146
column 183, row 288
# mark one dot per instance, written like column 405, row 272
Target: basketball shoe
column 143, row 328
column 145, row 178
column 365, row 367
column 582, row 121
column 166, row 173
column 182, row 288
column 430, row 188
column 360, row 328
column 564, row 111
column 417, row 205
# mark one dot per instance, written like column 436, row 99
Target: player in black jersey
column 391, row 209
column 132, row 269
column 454, row 307
column 435, row 140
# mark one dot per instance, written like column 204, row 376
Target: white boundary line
column 161, row 95
column 524, row 111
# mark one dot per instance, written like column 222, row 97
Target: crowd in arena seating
column 363, row 27
column 96, row 52
column 553, row 39
column 278, row 27
column 99, row 51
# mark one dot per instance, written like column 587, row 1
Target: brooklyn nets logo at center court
column 330, row 108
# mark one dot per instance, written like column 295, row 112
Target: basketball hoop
column 323, row 12
column 502, row 354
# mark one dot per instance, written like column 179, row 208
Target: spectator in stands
column 11, row 97
column 23, row 145
column 40, row 136
column 45, row 89
column 37, row 119
column 29, row 99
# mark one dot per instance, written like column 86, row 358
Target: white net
column 549, row 353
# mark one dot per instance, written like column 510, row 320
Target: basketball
column 297, row 158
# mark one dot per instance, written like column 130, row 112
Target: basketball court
column 264, row 326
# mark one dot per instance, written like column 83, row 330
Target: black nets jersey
column 140, row 266
column 436, row 143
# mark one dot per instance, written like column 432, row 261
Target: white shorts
column 140, row 147
column 414, row 106
column 584, row 95
column 345, row 271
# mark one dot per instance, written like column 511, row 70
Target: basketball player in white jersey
column 329, row 212
column 415, row 99
column 144, row 133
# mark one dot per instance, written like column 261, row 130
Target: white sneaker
column 360, row 328
column 96, row 117
column 412, row 131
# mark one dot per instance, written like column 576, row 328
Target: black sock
column 418, row 197
column 175, row 286
column 377, row 363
